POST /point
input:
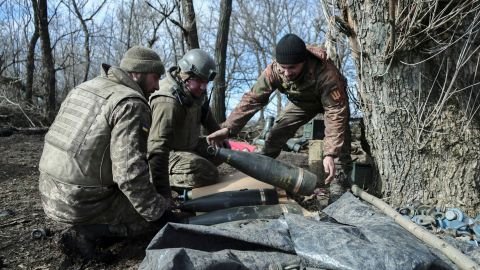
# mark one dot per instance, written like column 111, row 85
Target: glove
column 168, row 216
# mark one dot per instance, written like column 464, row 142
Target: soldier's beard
column 292, row 77
column 142, row 82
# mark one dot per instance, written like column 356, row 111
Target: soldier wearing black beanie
column 290, row 50
column 313, row 85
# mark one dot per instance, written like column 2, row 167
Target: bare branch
column 4, row 96
column 55, row 10
column 59, row 38
column 166, row 14
column 96, row 11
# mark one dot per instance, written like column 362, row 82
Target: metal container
column 314, row 130
column 362, row 175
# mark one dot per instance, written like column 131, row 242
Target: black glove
column 168, row 216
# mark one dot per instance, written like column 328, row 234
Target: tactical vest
column 77, row 145
column 187, row 130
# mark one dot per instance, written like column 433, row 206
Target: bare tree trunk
column 130, row 19
column 86, row 42
column 221, row 58
column 86, row 32
column 190, row 25
column 31, row 55
column 174, row 44
column 182, row 43
column 422, row 119
column 48, row 65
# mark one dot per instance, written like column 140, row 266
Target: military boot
column 85, row 241
column 339, row 185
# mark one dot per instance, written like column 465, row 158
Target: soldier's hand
column 329, row 168
column 217, row 138
column 169, row 204
column 168, row 216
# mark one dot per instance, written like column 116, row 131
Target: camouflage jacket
column 95, row 152
column 175, row 125
column 320, row 88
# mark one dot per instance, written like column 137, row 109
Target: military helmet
column 199, row 63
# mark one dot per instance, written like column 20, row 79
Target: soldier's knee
column 200, row 172
column 207, row 174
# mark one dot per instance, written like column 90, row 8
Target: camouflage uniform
column 175, row 149
column 320, row 88
column 94, row 169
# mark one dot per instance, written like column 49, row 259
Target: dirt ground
column 21, row 214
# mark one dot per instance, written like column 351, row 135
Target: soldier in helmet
column 179, row 109
column 313, row 85
column 94, row 174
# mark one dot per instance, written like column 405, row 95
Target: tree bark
column 424, row 139
column 190, row 25
column 218, row 106
column 47, row 57
column 31, row 55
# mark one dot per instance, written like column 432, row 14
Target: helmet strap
column 183, row 97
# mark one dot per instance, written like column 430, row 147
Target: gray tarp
column 363, row 238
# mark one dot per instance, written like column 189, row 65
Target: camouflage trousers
column 192, row 169
column 285, row 127
column 124, row 221
column 114, row 209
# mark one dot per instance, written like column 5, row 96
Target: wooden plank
column 231, row 182
column 315, row 160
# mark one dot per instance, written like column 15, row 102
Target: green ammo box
column 362, row 175
column 314, row 130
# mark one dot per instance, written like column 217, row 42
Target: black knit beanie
column 290, row 50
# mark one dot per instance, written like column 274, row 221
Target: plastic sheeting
column 363, row 238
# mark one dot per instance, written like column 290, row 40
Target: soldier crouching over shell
column 313, row 85
column 94, row 172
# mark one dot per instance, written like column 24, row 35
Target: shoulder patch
column 336, row 95
column 145, row 127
